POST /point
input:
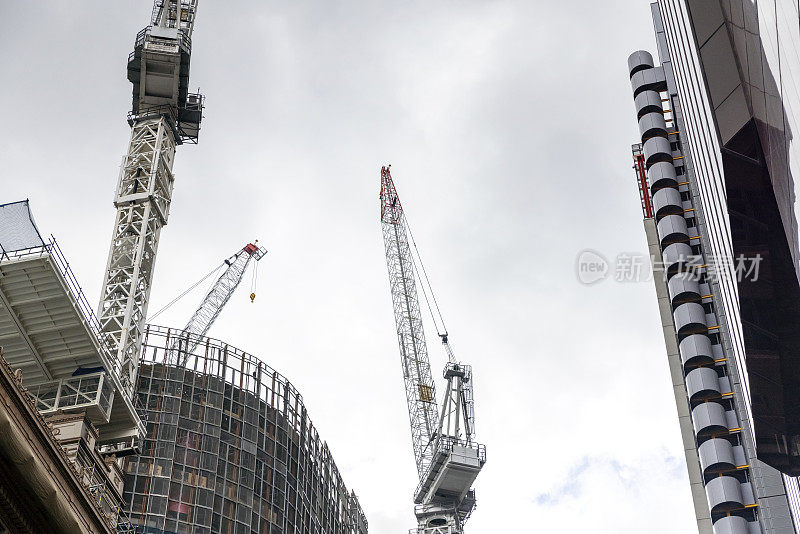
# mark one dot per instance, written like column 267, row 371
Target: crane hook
column 252, row 297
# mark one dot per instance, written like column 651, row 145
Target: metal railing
column 75, row 288
column 59, row 260
column 194, row 103
column 185, row 41
column 74, row 392
column 446, row 444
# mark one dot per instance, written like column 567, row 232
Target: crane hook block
column 252, row 297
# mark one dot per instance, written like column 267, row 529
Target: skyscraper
column 715, row 168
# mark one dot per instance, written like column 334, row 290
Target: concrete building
column 41, row 491
column 715, row 167
column 229, row 448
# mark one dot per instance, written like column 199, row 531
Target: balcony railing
column 59, row 261
column 92, row 392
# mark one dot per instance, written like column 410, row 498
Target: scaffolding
column 227, row 428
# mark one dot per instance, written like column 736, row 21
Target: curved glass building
column 229, row 448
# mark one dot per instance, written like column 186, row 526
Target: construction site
column 112, row 422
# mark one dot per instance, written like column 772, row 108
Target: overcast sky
column 508, row 125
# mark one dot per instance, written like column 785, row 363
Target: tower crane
column 212, row 304
column 448, row 458
column 164, row 114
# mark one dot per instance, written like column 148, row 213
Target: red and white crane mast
column 420, row 388
column 448, row 459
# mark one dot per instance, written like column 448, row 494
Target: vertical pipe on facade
column 723, row 492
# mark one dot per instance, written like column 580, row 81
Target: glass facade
column 736, row 65
column 731, row 92
column 229, row 449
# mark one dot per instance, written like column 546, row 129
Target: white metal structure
column 163, row 116
column 49, row 332
column 448, row 459
column 213, row 302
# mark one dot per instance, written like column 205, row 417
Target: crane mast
column 212, row 304
column 163, row 115
column 447, row 457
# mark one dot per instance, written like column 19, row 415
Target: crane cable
column 426, row 281
column 254, row 281
column 176, row 299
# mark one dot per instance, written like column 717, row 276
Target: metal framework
column 163, row 115
column 419, row 385
column 448, row 459
column 227, row 414
column 144, row 193
column 214, row 301
column 175, row 14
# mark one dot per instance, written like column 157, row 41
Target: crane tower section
column 416, row 367
column 164, row 114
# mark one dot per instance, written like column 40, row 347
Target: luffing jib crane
column 447, row 456
column 212, row 304
column 164, row 114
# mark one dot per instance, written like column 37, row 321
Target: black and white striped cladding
column 702, row 384
column 683, row 287
column 661, row 175
column 653, row 124
column 648, row 79
column 709, row 419
column 667, row 201
column 673, row 229
column 696, row 350
column 648, row 102
column 690, row 318
column 656, row 150
column 714, row 420
column 718, row 456
column 725, row 494
column 675, row 257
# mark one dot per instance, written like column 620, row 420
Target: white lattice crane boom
column 212, row 304
column 419, row 385
column 447, row 457
column 164, row 114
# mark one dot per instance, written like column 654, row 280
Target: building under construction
column 114, row 425
column 229, row 448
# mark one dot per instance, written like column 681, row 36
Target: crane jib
column 447, row 457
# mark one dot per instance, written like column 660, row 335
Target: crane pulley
column 447, row 456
